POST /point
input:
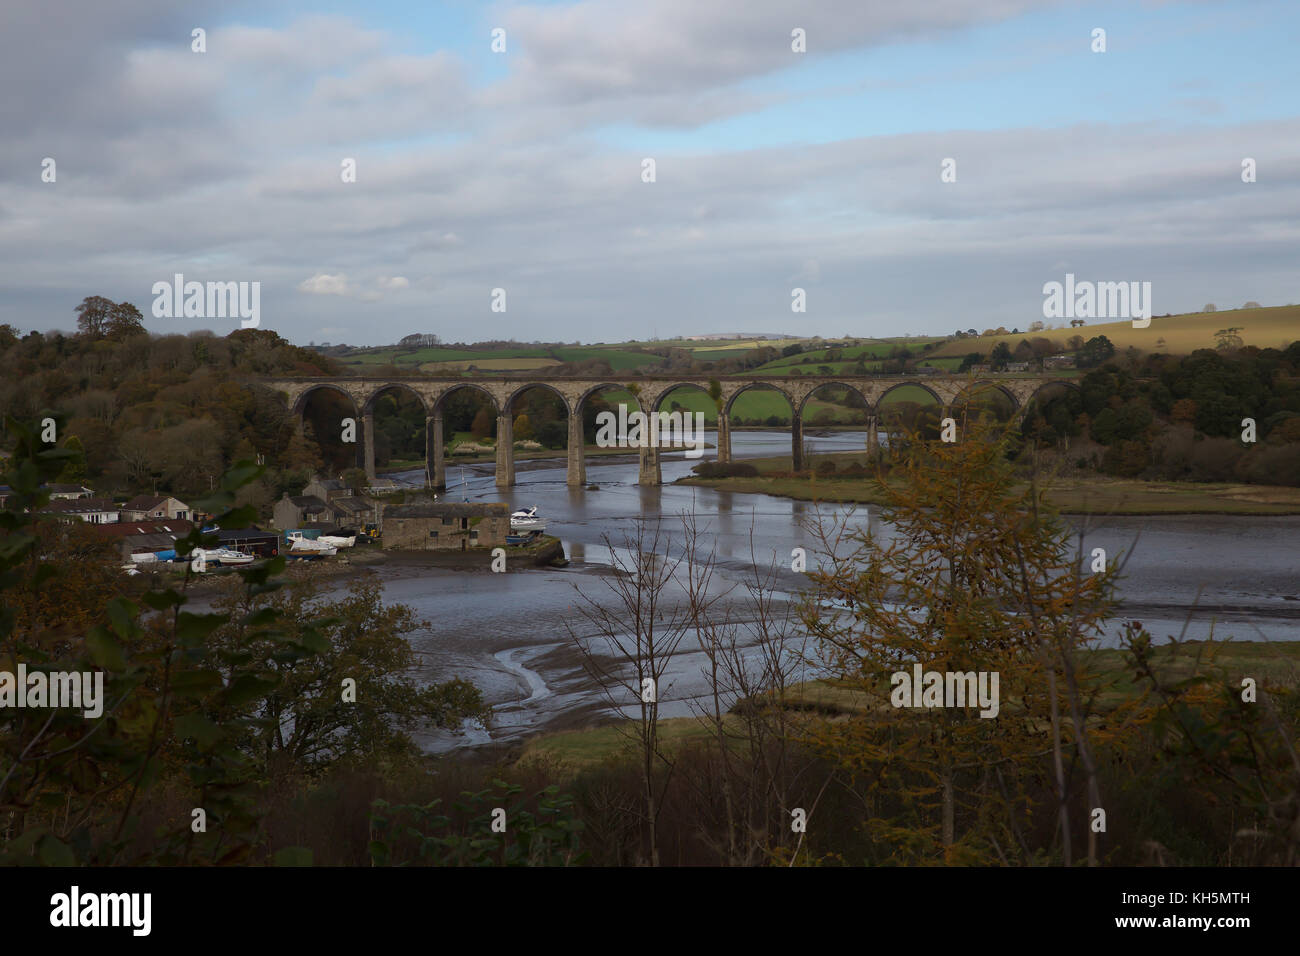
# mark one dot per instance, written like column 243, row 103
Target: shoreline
column 372, row 557
column 1074, row 496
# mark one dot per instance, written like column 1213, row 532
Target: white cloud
column 323, row 284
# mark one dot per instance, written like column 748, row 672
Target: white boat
column 327, row 551
column 300, row 546
column 527, row 521
column 338, row 540
column 230, row 556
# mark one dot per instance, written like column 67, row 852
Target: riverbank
column 1098, row 495
column 546, row 551
column 573, row 750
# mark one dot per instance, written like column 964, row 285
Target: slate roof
column 309, row 502
column 450, row 510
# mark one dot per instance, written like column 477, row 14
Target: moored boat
column 525, row 537
column 525, row 521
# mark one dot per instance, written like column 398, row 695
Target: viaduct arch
column 649, row 392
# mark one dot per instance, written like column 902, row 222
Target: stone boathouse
column 445, row 527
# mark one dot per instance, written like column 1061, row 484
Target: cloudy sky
column 523, row 170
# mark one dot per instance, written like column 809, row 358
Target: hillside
column 636, row 356
column 1274, row 327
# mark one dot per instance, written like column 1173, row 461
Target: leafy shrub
column 542, row 831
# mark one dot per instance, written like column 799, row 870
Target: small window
column 433, row 534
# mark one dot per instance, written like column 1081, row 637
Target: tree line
column 1181, row 417
column 161, row 412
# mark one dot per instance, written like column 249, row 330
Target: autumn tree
column 523, row 428
column 124, row 320
column 974, row 577
column 314, row 718
column 93, row 315
column 483, row 423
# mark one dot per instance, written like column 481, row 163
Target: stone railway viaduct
column 650, row 392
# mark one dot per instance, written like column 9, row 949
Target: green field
column 848, row 356
column 505, row 359
column 618, row 359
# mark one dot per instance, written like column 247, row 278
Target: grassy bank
column 1092, row 495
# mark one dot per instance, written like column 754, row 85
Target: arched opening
column 600, row 401
column 758, row 407
column 325, row 412
column 463, row 430
column 909, row 408
column 469, row 422
column 689, row 398
column 398, row 415
column 1052, row 416
column 827, row 412
column 984, row 400
column 539, row 419
column 686, row 412
column 602, row 417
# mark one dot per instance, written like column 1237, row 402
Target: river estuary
column 508, row 634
